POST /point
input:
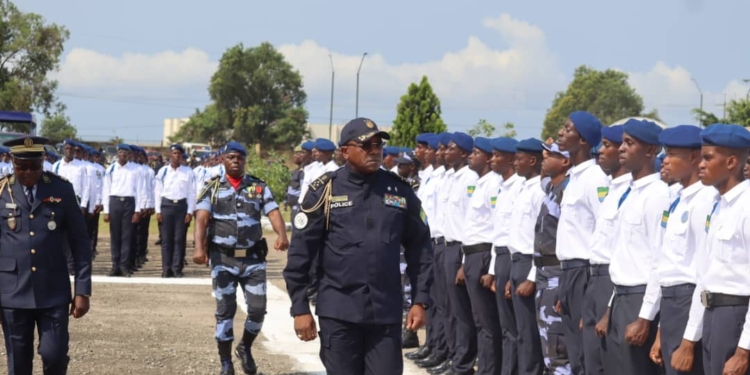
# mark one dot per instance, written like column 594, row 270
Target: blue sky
column 129, row 65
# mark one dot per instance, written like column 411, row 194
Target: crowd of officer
column 612, row 250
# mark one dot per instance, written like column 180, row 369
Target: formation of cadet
column 40, row 211
column 228, row 234
column 548, row 258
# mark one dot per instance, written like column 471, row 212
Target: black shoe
column 114, row 272
column 409, row 339
column 440, row 369
column 166, row 274
column 158, row 242
column 246, row 358
column 431, row 361
column 178, row 274
column 127, row 274
column 421, row 353
column 227, row 368
column 453, row 372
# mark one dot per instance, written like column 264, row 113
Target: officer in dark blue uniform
column 356, row 219
column 39, row 209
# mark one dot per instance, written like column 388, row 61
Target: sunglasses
column 370, row 146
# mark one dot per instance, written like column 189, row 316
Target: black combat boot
column 227, row 367
column 243, row 352
column 409, row 339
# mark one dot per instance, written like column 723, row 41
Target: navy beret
column 505, row 144
column 555, row 148
column 391, row 150
column 643, row 130
column 433, row 140
column 423, row 138
column 726, row 135
column 308, row 145
column 612, row 133
column 177, row 147
column 484, row 144
column 588, row 126
column 681, row 136
column 406, row 158
column 530, row 145
column 235, row 147
column 323, row 144
column 463, row 141
column 445, row 138
column 123, row 146
column 70, row 142
column 405, row 150
column 658, row 162
column 4, row 150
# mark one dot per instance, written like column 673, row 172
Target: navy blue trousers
column 52, row 326
column 174, row 234
column 358, row 349
column 121, row 230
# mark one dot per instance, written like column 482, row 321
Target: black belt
column 453, row 243
column 519, row 256
column 175, row 201
column 478, row 248
column 680, row 290
column 636, row 289
column 599, row 270
column 501, row 250
column 574, row 263
column 710, row 300
column 121, row 199
column 546, row 261
column 438, row 240
column 234, row 253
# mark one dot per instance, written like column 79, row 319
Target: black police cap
column 26, row 147
column 360, row 129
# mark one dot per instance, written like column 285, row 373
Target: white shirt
column 311, row 172
column 149, row 183
column 502, row 210
column 603, row 240
column 75, row 172
column 462, row 186
column 578, row 211
column 674, row 190
column 123, row 181
column 331, row 166
column 47, row 166
column 478, row 216
column 425, row 173
column 94, row 177
column 525, row 212
column 639, row 237
column 101, row 170
column 6, row 168
column 175, row 184
column 728, row 248
column 428, row 193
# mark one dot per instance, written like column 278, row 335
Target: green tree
column 418, row 112
column 482, row 128
column 706, row 118
column 738, row 112
column 273, row 171
column 57, row 128
column 510, row 130
column 204, row 127
column 259, row 96
column 606, row 94
column 30, row 49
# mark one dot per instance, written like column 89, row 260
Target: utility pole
column 700, row 115
column 330, row 116
column 356, row 110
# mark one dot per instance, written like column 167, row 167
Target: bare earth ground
column 150, row 329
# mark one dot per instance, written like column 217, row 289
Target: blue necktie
column 674, row 205
column 30, row 195
column 624, row 196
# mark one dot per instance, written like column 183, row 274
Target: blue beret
column 177, row 147
column 588, row 126
column 405, row 149
column 645, row 131
column 4, row 150
column 323, row 144
column 484, row 144
column 70, row 142
column 612, row 133
column 391, row 150
column 444, row 138
column 433, row 140
column 235, row 147
column 184, row 155
column 726, row 135
column 681, row 136
column 463, row 141
column 123, row 146
column 308, row 145
column 423, row 138
column 505, row 144
column 530, row 145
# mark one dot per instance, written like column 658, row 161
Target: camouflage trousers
column 551, row 328
column 226, row 274
column 405, row 284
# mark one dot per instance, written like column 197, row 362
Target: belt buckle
column 174, row 201
column 122, row 199
column 591, row 270
column 240, row 253
column 706, row 298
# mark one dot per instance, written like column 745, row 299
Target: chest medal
column 12, row 223
column 51, row 225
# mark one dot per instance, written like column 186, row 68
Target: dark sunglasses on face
column 368, row 147
column 23, row 168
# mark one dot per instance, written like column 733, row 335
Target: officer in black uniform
column 356, row 219
column 39, row 209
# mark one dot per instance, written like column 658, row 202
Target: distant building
column 173, row 125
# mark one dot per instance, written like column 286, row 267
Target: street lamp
column 700, row 92
column 356, row 110
column 330, row 117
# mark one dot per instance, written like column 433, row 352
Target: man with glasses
column 357, row 218
column 39, row 212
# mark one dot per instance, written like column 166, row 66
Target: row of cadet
column 550, row 260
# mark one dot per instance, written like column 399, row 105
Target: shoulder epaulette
column 53, row 174
column 256, row 178
column 321, row 181
column 210, row 184
column 399, row 178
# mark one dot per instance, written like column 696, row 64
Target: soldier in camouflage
column 229, row 233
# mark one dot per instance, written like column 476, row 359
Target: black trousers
column 174, row 234
column 572, row 289
column 92, row 224
column 461, row 316
column 121, row 230
column 675, row 303
column 505, row 312
column 722, row 327
column 621, row 357
column 52, row 325
column 530, row 360
column 358, row 349
column 444, row 334
column 598, row 293
column 487, row 320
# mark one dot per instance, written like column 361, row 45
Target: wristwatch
column 424, row 305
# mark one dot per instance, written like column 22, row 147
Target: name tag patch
column 394, row 201
column 341, row 204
